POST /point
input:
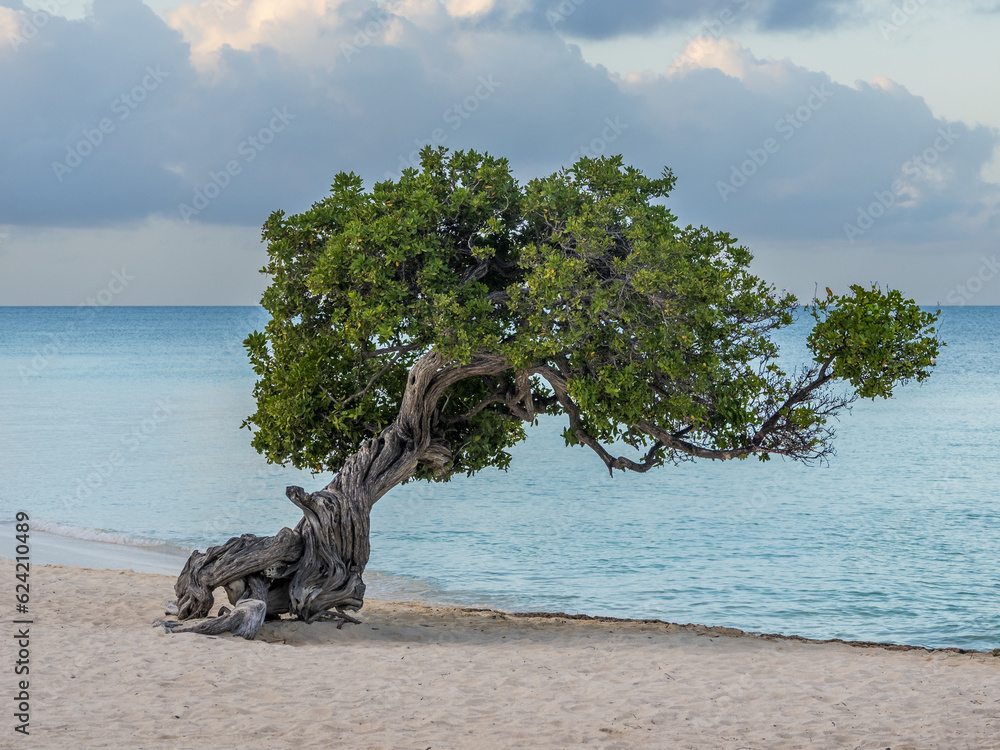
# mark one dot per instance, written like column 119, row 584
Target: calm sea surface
column 123, row 424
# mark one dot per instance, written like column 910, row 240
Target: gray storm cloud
column 219, row 117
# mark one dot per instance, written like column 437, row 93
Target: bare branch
column 800, row 394
column 492, row 399
column 521, row 402
column 477, row 272
column 558, row 383
column 371, row 382
column 400, row 349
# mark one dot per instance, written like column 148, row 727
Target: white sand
column 415, row 676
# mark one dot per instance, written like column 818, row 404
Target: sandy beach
column 420, row 676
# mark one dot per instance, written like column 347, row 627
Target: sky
column 842, row 141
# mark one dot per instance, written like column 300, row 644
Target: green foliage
column 581, row 278
column 874, row 339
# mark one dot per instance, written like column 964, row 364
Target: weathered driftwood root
column 334, row 532
column 305, row 572
column 243, row 620
column 317, row 566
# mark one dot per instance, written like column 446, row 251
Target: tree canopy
column 577, row 294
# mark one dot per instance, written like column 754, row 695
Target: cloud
column 482, row 8
column 235, row 109
column 299, row 28
column 10, row 22
column 767, row 148
column 593, row 19
column 58, row 84
column 805, row 14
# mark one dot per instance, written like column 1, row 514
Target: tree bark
column 317, row 566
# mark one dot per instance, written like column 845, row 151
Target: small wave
column 107, row 537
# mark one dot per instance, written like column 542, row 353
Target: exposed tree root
column 317, row 567
column 306, row 571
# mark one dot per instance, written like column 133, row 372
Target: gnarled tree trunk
column 317, row 567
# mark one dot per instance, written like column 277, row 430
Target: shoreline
column 419, row 675
column 86, row 554
column 731, row 632
column 56, row 550
column 48, row 548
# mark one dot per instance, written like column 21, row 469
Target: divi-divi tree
column 417, row 327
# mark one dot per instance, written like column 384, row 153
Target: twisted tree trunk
column 317, row 566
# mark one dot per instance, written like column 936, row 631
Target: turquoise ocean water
column 122, row 424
